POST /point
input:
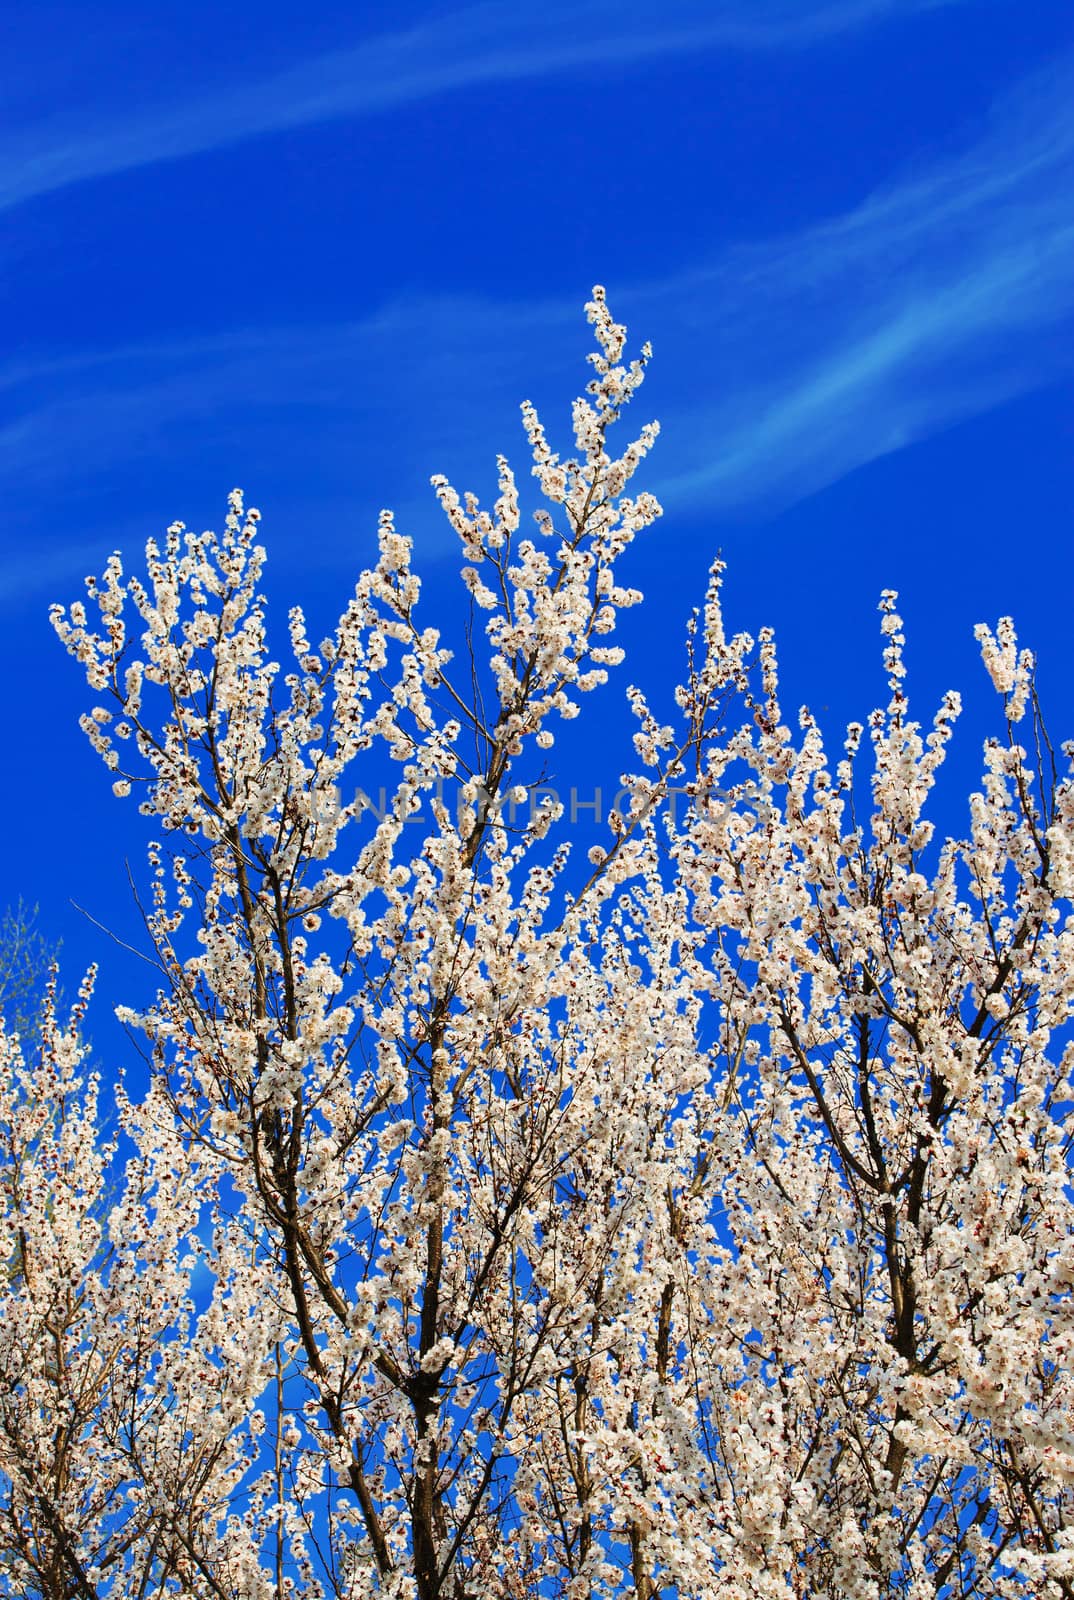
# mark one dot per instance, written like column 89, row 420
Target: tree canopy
column 694, row 1220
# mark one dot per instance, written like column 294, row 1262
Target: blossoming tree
column 691, row 1221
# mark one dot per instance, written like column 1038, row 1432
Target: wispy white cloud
column 939, row 297
column 485, row 43
column 781, row 365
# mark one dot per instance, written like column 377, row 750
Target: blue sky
column 323, row 252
